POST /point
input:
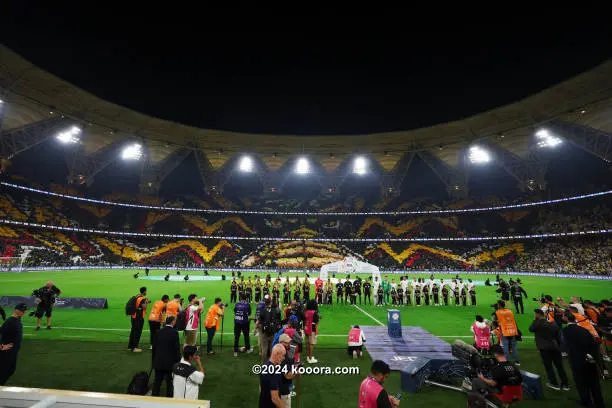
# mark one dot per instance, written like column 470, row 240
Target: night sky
column 296, row 83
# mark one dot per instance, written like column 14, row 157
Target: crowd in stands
column 45, row 247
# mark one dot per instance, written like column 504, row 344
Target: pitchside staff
column 45, row 298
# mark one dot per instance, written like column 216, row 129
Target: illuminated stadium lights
column 69, row 136
column 132, row 152
column 246, row 164
column 360, row 166
column 302, row 166
column 546, row 139
column 478, row 155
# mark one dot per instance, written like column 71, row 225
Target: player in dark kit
column 357, row 288
column 320, row 295
column 329, row 291
column 258, row 291
column 367, row 288
column 348, row 288
column 473, row 295
column 393, row 296
column 266, row 288
column 286, row 292
column 436, row 294
column 400, row 295
column 445, row 295
column 464, row 296
column 233, row 290
column 306, row 288
column 339, row 298
column 456, row 295
column 426, row 294
column 417, row 295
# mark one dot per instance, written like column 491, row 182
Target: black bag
column 181, row 321
column 140, row 383
column 519, row 336
column 130, row 306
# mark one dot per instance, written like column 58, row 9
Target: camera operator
column 371, row 392
column 509, row 330
column 45, row 297
column 547, row 342
column 502, row 373
column 213, row 322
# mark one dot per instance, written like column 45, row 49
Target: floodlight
column 479, row 155
column 70, row 135
column 546, row 139
column 302, row 166
column 132, row 152
column 360, row 166
column 246, row 164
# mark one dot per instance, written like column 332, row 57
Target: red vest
column 368, row 393
column 482, row 337
column 354, row 335
column 308, row 321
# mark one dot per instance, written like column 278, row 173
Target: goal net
column 12, row 264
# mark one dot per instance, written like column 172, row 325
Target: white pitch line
column 369, row 315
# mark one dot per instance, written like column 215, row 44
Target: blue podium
column 394, row 323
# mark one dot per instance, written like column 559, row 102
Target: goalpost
column 12, row 263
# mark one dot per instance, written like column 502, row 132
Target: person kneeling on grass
column 356, row 338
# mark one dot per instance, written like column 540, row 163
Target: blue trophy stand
column 394, row 322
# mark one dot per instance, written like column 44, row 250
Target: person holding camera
column 192, row 318
column 213, row 322
column 517, row 293
column 175, row 306
column 502, row 373
column 547, row 342
column 509, row 330
column 45, row 298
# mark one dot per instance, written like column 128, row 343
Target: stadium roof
column 32, row 94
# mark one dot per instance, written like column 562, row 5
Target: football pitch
column 86, row 349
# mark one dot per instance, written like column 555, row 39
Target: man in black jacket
column 546, row 335
column 582, row 348
column 517, row 293
column 166, row 353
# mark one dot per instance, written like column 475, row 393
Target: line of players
column 417, row 292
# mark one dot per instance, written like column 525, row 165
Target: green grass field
column 86, row 350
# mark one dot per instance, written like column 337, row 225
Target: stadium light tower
column 69, row 136
column 132, row 152
column 360, row 166
column 302, row 166
column 478, row 155
column 246, row 164
column 547, row 139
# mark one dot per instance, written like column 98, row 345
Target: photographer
column 45, row 298
column 213, row 322
column 137, row 320
column 509, row 330
column 502, row 373
column 242, row 314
